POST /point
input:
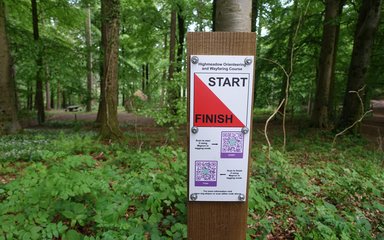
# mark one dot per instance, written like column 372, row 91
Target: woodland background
column 117, row 169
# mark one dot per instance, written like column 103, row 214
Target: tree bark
column 102, row 109
column 289, row 56
column 39, row 97
column 366, row 27
column 8, row 113
column 233, row 16
column 164, row 77
column 214, row 3
column 58, row 93
column 48, row 95
column 88, row 40
column 331, row 100
column 259, row 9
column 29, row 96
column 320, row 116
column 172, row 90
column 255, row 14
column 110, row 20
column 143, row 82
column 52, row 99
column 181, row 35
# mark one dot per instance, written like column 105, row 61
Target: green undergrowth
column 67, row 185
column 316, row 191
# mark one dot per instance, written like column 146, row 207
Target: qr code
column 206, row 173
column 232, row 144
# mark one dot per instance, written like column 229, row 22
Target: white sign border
column 232, row 190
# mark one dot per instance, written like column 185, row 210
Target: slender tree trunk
column 181, row 35
column 58, row 93
column 8, row 109
column 233, row 16
column 255, row 13
column 164, row 77
column 39, row 97
column 320, row 116
column 331, row 101
column 48, row 95
column 288, row 55
column 88, row 40
column 64, row 100
column 29, row 96
column 259, row 9
column 143, row 78
column 366, row 28
column 172, row 90
column 214, row 3
column 110, row 20
column 102, row 107
column 52, row 99
column 147, row 77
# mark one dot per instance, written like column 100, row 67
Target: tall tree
column 214, row 3
column 181, row 35
column 233, row 16
column 366, row 27
column 47, row 89
column 88, row 40
column 39, row 97
column 288, row 64
column 320, row 117
column 8, row 115
column 172, row 90
column 110, row 31
column 331, row 99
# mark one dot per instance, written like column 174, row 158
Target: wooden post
column 219, row 220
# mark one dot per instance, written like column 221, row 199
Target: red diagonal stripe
column 209, row 110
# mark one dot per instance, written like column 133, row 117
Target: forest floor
column 59, row 182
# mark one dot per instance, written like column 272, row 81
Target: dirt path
column 373, row 127
column 123, row 117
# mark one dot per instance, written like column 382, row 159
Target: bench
column 73, row 108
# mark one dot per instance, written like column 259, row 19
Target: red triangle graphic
column 209, row 110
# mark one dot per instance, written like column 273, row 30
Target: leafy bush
column 77, row 188
column 78, row 197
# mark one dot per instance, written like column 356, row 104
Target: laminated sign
column 220, row 118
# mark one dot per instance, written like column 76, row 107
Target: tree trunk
column 366, row 27
column 29, row 96
column 102, row 108
column 259, row 13
column 58, row 93
column 110, row 20
column 88, row 40
column 255, row 14
column 64, row 100
column 331, row 100
column 39, row 97
column 320, row 116
column 214, row 3
column 180, row 42
column 164, row 77
column 48, row 95
column 143, row 88
column 233, row 16
column 172, row 90
column 147, row 78
column 289, row 56
column 52, row 99
column 8, row 113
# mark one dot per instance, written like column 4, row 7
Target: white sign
column 220, row 119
